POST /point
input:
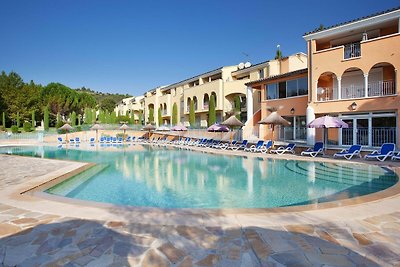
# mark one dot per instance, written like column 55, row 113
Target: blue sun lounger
column 313, row 152
column 283, row 149
column 348, row 154
column 387, row 150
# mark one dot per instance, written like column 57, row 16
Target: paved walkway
column 37, row 231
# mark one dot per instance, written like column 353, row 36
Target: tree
column 140, row 119
column 93, row 116
column 107, row 104
column 237, row 106
column 33, row 119
column 159, row 117
column 73, row 118
column 151, row 115
column 59, row 117
column 174, row 114
column 212, row 115
column 102, row 116
column 192, row 116
column 88, row 116
column 132, row 118
column 4, row 120
column 278, row 54
column 113, row 117
column 18, row 119
column 46, row 118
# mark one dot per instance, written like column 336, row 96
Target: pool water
column 171, row 178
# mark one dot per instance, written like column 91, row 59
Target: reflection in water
column 170, row 178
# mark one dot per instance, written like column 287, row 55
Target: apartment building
column 131, row 106
column 200, row 88
column 281, row 84
column 353, row 74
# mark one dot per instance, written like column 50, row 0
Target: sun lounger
column 59, row 140
column 255, row 148
column 77, row 140
column 396, row 156
column 283, row 149
column 242, row 145
column 313, row 152
column 348, row 154
column 387, row 150
column 91, row 140
column 267, row 146
column 227, row 145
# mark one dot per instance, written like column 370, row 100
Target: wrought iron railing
column 352, row 50
column 381, row 88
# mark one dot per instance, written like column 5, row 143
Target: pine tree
column 113, row 117
column 237, row 106
column 151, row 115
column 192, row 116
column 4, row 120
column 33, row 119
column 46, row 118
column 73, row 118
column 174, row 114
column 159, row 117
column 212, row 115
column 18, row 119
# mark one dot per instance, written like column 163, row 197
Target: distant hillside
column 100, row 96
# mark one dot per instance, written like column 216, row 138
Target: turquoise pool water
column 171, row 178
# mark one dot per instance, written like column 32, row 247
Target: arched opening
column 206, row 101
column 352, row 84
column 188, row 104
column 327, row 86
column 195, row 102
column 165, row 109
column 215, row 98
column 381, row 79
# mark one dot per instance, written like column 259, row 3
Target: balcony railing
column 379, row 135
column 378, row 88
column 381, row 88
column 352, row 50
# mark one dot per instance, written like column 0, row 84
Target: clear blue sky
column 133, row 46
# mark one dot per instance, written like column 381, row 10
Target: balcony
column 352, row 50
column 375, row 89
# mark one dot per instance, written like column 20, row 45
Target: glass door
column 348, row 133
column 361, row 131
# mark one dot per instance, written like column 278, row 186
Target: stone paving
column 32, row 237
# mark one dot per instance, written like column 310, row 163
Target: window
column 303, row 86
column 282, row 89
column 291, row 88
column 272, row 91
column 261, row 73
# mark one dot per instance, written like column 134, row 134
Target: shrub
column 14, row 129
column 61, row 131
column 27, row 126
column 2, row 128
column 78, row 128
column 59, row 124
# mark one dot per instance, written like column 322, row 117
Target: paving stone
column 84, row 260
column 173, row 254
column 359, row 260
column 7, row 229
column 41, row 237
column 102, row 246
column 291, row 259
column 48, row 246
column 113, row 224
column 338, row 250
column 334, row 260
column 123, row 249
column 209, row 260
column 384, row 253
column 25, row 221
column 15, row 255
column 246, row 261
column 376, row 220
column 326, row 236
column 187, row 262
column 39, row 260
column 362, row 239
column 301, row 228
column 152, row 259
column 104, row 260
column 142, row 240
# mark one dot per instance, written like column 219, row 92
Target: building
column 131, row 106
column 281, row 84
column 200, row 88
column 352, row 72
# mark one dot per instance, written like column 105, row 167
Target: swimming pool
column 165, row 177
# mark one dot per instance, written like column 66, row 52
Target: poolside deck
column 35, row 228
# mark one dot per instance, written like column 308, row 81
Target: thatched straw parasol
column 274, row 119
column 232, row 121
column 149, row 127
column 67, row 128
column 96, row 127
